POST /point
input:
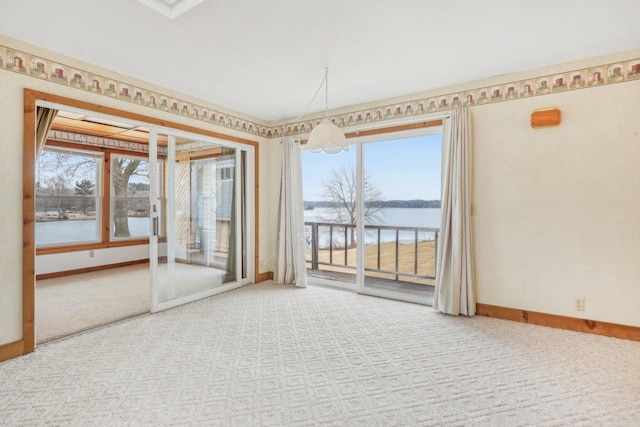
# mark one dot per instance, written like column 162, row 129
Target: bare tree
column 56, row 173
column 340, row 187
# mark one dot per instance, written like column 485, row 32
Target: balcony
column 397, row 259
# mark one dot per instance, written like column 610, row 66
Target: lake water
column 402, row 217
column 61, row 232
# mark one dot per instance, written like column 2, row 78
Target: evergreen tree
column 85, row 188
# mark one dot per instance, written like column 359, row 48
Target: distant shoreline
column 417, row 203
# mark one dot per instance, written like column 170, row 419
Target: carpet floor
column 71, row 304
column 67, row 305
column 275, row 355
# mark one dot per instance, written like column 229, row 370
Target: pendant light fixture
column 326, row 136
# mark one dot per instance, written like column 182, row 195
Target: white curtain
column 454, row 266
column 290, row 258
column 44, row 120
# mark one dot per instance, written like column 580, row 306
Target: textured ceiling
column 266, row 58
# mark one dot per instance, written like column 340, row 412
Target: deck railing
column 338, row 236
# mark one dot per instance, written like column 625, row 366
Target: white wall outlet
column 92, row 254
column 579, row 304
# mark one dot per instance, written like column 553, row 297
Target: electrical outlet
column 92, row 254
column 579, row 304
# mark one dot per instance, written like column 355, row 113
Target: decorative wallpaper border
column 45, row 69
column 42, row 68
column 617, row 72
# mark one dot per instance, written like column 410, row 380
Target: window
column 81, row 193
column 129, row 197
column 67, row 197
column 224, row 173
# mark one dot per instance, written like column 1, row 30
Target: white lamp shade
column 327, row 137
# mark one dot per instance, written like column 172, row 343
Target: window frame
column 105, row 203
column 33, row 99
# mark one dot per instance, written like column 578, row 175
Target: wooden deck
column 324, row 278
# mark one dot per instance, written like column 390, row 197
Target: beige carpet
column 66, row 305
column 189, row 279
column 275, row 355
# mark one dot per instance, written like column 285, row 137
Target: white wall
column 557, row 210
column 11, row 210
column 11, row 112
column 52, row 263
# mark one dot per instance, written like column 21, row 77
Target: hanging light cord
column 326, row 93
column 326, row 109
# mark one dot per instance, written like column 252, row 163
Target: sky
column 403, row 169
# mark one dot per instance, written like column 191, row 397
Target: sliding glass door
column 199, row 244
column 400, row 216
column 372, row 215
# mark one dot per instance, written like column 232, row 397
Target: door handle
column 155, row 226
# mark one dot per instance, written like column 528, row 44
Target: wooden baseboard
column 11, row 350
column 90, row 269
column 563, row 322
column 261, row 277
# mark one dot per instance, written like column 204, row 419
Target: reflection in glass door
column 199, row 247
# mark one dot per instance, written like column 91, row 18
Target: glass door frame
column 359, row 143
column 249, row 206
column 34, row 99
